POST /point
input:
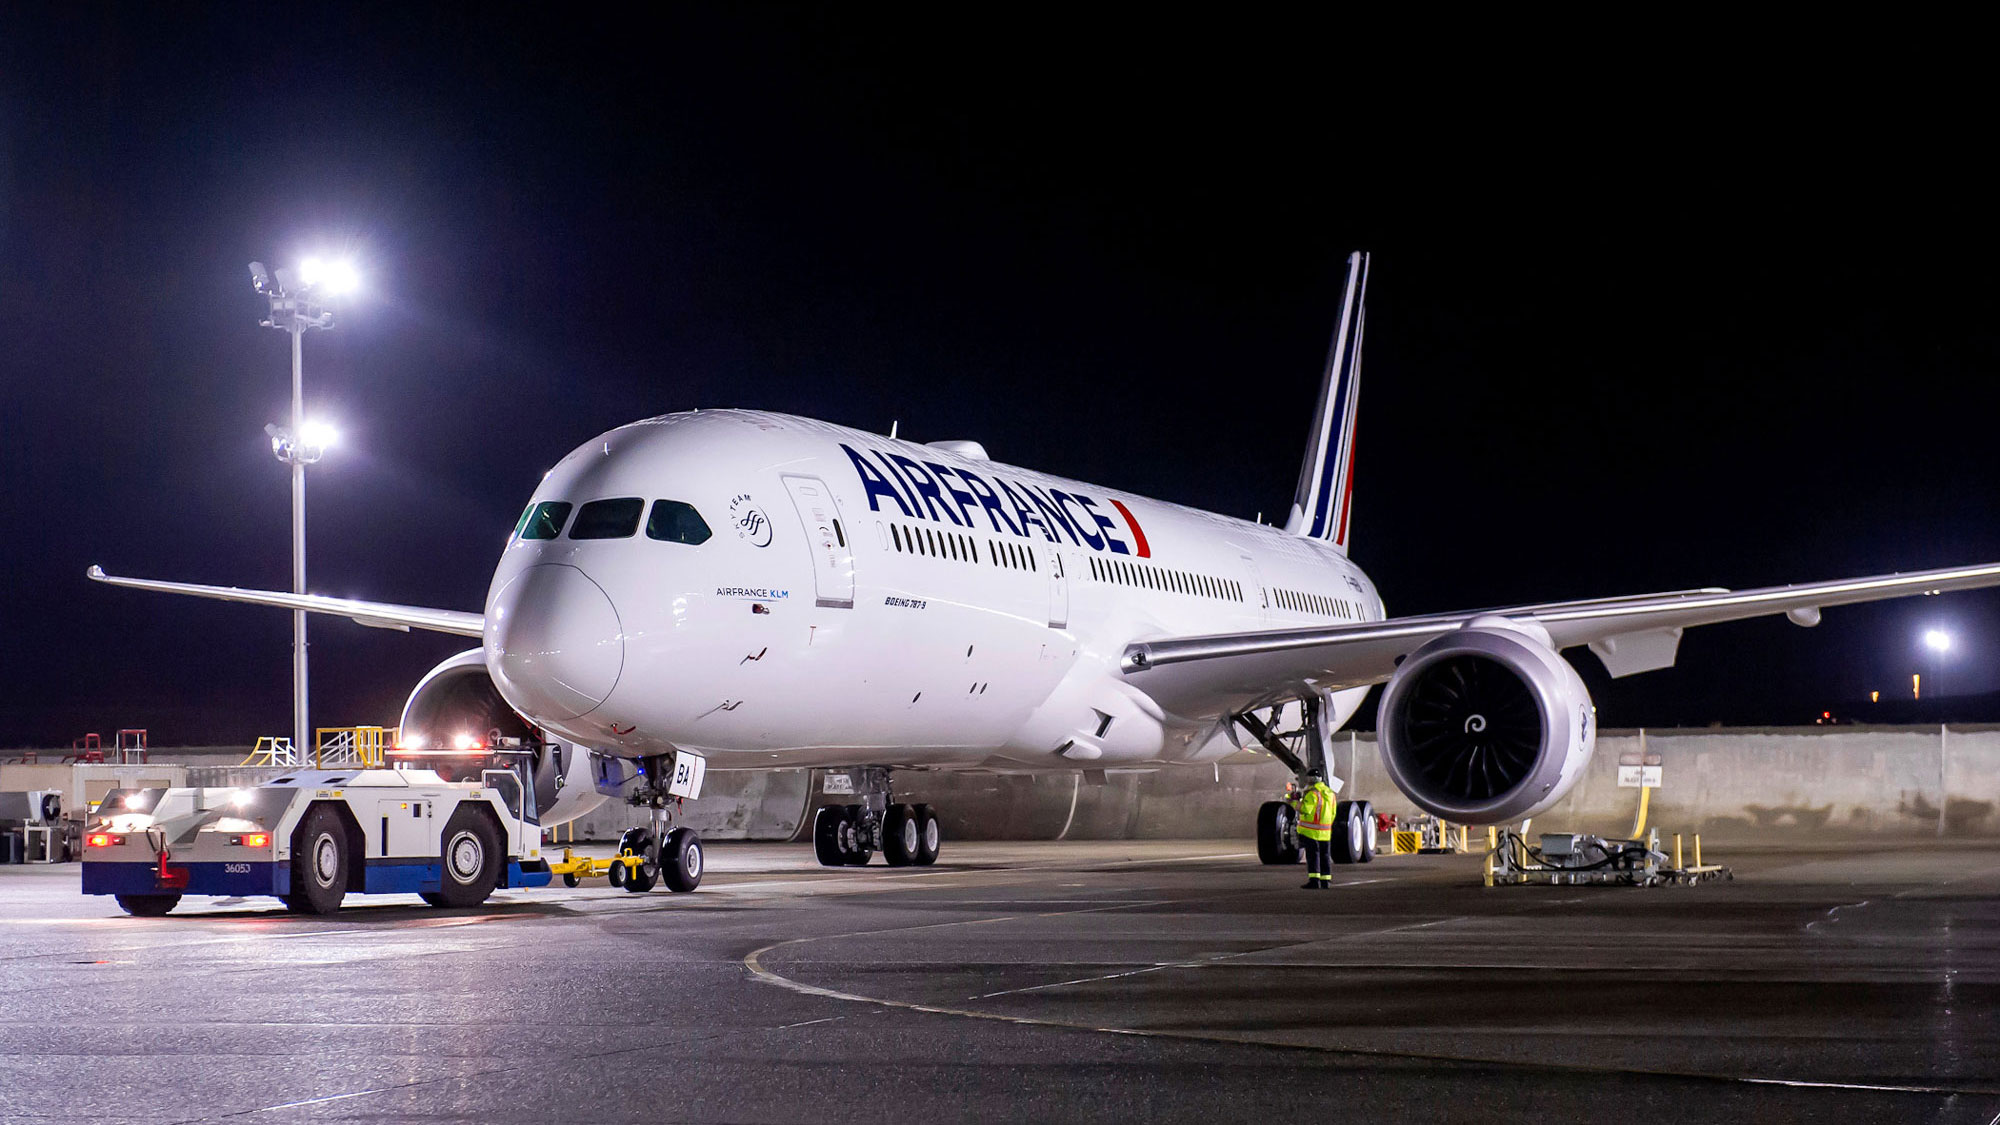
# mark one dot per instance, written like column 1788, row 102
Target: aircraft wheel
column 929, row 839
column 147, row 906
column 1367, row 831
column 1278, row 834
column 826, row 836
column 1347, row 841
column 854, row 848
column 319, row 861
column 899, row 836
column 681, row 860
column 640, row 879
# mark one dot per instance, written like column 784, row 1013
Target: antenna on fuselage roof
column 892, row 429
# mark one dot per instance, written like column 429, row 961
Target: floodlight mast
column 295, row 310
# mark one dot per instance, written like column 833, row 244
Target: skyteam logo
column 751, row 524
column 926, row 490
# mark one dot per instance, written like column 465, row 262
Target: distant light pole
column 296, row 307
column 1939, row 642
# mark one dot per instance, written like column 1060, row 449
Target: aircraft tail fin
column 1325, row 499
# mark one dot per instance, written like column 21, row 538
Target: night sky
column 1711, row 316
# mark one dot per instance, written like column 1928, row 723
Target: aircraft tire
column 1277, row 835
column 1367, row 831
column 682, row 861
column 638, row 880
column 854, row 848
column 900, row 845
column 1347, row 842
column 929, row 838
column 826, row 836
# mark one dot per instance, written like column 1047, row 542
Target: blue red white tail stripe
column 1325, row 497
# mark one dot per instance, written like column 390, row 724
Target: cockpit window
column 545, row 520
column 675, row 522
column 608, row 519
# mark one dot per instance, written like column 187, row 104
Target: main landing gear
column 1278, row 821
column 850, row 835
column 670, row 855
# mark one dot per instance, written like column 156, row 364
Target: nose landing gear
column 670, row 855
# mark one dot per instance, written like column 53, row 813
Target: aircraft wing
column 1226, row 672
column 378, row 615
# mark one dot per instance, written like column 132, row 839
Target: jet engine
column 456, row 723
column 1486, row 724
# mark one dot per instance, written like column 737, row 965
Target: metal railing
column 273, row 751
column 363, row 747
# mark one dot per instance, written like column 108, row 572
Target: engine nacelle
column 1486, row 724
column 456, row 705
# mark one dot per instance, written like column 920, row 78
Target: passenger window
column 675, row 522
column 546, row 521
column 608, row 519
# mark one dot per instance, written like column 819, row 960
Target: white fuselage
column 866, row 601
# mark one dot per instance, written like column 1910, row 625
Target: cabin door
column 827, row 539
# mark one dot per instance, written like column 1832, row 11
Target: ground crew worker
column 1316, row 831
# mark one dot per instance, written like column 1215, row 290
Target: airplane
column 753, row 590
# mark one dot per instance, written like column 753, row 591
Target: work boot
column 1309, row 884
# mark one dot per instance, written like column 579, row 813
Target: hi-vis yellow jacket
column 1316, row 812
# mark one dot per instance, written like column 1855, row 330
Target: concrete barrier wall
column 1786, row 783
column 1749, row 785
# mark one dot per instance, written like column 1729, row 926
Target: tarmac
column 1157, row 981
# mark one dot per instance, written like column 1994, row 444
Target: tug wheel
column 472, row 859
column 319, row 863
column 147, row 906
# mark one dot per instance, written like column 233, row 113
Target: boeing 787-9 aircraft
column 734, row 589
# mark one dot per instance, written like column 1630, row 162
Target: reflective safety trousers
column 1316, row 813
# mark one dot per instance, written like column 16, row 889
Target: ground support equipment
column 1573, row 858
column 1423, row 834
column 311, row 837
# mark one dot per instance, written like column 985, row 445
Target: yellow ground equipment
column 1427, row 835
column 574, row 868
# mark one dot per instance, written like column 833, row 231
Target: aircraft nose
column 555, row 642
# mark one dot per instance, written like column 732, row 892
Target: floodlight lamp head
column 1937, row 640
column 260, row 278
column 337, row 277
column 315, row 438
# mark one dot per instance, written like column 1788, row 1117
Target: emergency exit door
column 827, row 539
